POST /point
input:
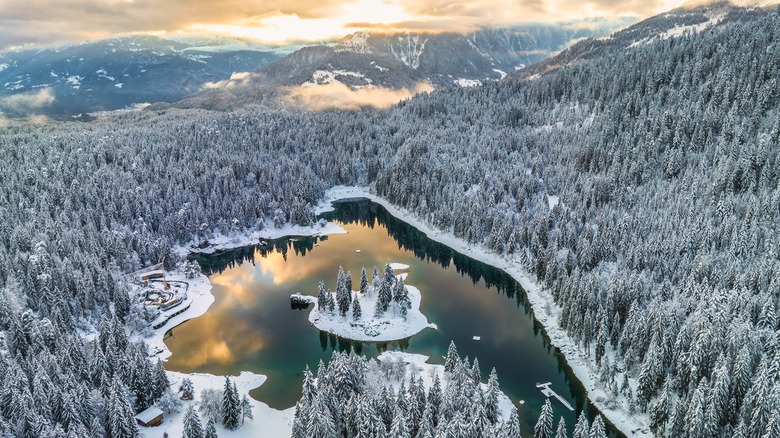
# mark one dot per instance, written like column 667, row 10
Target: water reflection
column 252, row 327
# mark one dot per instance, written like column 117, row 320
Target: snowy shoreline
column 369, row 328
column 267, row 421
column 544, row 307
column 279, row 423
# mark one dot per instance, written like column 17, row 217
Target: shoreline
column 544, row 308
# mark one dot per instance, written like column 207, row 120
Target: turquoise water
column 251, row 325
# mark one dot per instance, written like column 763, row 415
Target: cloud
column 339, row 96
column 239, row 79
column 27, row 103
column 49, row 21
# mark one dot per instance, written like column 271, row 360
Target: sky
column 46, row 22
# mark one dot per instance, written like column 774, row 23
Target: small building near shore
column 150, row 418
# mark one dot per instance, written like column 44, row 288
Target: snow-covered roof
column 149, row 414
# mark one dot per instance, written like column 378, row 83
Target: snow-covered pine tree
column 512, row 426
column 120, row 417
column 186, row 389
column 491, row 397
column 231, row 406
column 363, row 281
column 322, row 297
column 544, row 426
column 452, row 358
column 560, row 432
column 597, row 428
column 246, row 409
column 211, row 429
column 193, row 428
column 357, row 312
column 399, row 428
column 343, row 295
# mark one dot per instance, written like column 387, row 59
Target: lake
column 251, row 325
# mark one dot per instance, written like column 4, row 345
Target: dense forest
column 642, row 189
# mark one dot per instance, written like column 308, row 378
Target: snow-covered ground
column 389, row 327
column 267, row 422
column 417, row 364
column 223, row 242
column 271, row 422
column 545, row 310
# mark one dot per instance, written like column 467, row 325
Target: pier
column 548, row 392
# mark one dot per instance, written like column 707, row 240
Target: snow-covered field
column 389, row 327
column 545, row 311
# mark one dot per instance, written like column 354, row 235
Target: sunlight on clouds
column 280, row 28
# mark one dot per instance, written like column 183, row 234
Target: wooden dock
column 548, row 392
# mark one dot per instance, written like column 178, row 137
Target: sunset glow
column 41, row 22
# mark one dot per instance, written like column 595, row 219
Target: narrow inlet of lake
column 251, row 325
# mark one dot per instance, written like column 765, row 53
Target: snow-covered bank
column 266, row 422
column 222, row 242
column 389, row 327
column 545, row 309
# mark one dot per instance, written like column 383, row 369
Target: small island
column 384, row 309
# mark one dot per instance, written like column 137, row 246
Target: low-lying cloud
column 339, row 96
column 239, row 79
column 27, row 103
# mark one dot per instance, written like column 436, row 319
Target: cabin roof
column 149, row 414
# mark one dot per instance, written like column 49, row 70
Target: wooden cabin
column 150, row 418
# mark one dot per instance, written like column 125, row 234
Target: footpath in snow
column 545, row 309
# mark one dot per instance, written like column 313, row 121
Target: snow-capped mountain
column 118, row 72
column 690, row 18
column 443, row 59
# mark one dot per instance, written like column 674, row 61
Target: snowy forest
column 641, row 189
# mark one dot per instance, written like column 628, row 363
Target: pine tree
column 192, row 425
column 211, row 429
column 231, row 406
column 246, row 409
column 561, row 431
column 321, row 424
column 452, row 358
column 511, row 428
column 186, row 389
column 322, row 297
column 544, row 425
column 343, row 295
column 475, row 374
column 363, row 281
column 121, row 421
column 491, row 397
column 399, row 429
column 597, row 428
column 357, row 312
column 160, row 380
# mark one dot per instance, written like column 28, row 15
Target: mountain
column 120, row 72
column 443, row 59
column 693, row 17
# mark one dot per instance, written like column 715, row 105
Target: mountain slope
column 119, row 72
column 445, row 59
column 663, row 26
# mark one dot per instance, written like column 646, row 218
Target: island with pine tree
column 384, row 309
